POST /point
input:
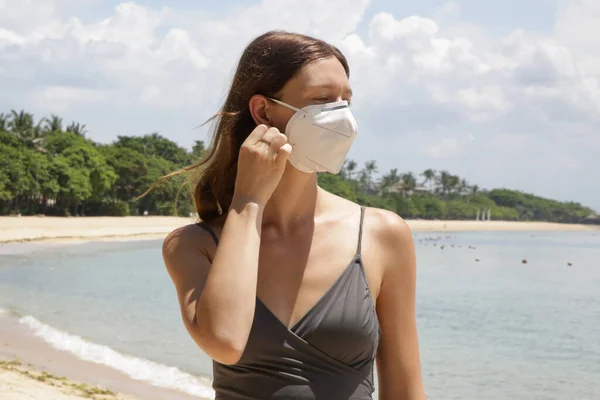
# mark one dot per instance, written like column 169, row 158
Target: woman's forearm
column 225, row 310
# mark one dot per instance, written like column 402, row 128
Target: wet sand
column 32, row 369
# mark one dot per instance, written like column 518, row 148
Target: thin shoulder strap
column 207, row 228
column 360, row 229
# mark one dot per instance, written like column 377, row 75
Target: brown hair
column 265, row 66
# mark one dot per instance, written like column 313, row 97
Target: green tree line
column 52, row 169
column 48, row 167
column 442, row 195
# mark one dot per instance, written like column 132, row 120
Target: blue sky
column 503, row 93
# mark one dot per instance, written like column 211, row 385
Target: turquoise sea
column 500, row 315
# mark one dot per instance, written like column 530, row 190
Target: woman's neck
column 293, row 202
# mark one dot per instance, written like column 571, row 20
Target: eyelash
column 327, row 100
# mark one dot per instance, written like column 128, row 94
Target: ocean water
column 491, row 326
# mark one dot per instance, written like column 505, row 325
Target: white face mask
column 321, row 136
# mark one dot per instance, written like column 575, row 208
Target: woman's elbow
column 223, row 347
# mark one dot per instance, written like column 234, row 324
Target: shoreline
column 85, row 238
column 19, row 382
column 41, row 229
column 30, row 368
column 496, row 226
column 70, row 229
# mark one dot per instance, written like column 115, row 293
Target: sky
column 503, row 93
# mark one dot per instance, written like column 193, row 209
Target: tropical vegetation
column 48, row 167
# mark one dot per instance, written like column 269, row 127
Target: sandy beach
column 31, row 369
column 39, row 228
column 20, row 382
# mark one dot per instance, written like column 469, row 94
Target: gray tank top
column 327, row 355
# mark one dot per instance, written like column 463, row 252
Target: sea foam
column 137, row 368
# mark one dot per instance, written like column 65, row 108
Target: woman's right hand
column 261, row 163
column 218, row 296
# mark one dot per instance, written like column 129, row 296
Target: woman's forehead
column 326, row 73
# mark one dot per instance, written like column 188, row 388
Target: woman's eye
column 319, row 100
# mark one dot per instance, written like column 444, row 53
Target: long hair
column 265, row 66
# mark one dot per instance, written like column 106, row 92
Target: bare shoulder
column 388, row 230
column 187, row 243
column 391, row 243
column 187, row 254
column 388, row 227
column 186, row 238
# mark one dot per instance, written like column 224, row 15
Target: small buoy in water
column 442, row 247
column 477, row 260
column 569, row 264
column 524, row 261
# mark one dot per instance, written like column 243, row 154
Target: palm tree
column 77, row 129
column 366, row 175
column 444, row 180
column 371, row 167
column 463, row 186
column 53, row 124
column 429, row 175
column 350, row 168
column 3, row 122
column 454, row 183
column 409, row 183
column 389, row 181
column 21, row 124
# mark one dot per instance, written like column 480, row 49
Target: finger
column 270, row 135
column 283, row 154
column 257, row 134
column 276, row 143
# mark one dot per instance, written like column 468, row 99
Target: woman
column 291, row 290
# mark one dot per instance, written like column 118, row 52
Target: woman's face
column 320, row 82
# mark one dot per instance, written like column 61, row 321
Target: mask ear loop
column 286, row 105
column 291, row 108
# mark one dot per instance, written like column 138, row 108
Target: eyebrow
column 348, row 90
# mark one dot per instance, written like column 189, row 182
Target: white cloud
column 430, row 92
column 577, row 26
column 447, row 13
column 445, row 148
column 24, row 15
column 64, row 98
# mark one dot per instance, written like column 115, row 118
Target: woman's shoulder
column 386, row 224
column 198, row 236
column 386, row 227
column 390, row 243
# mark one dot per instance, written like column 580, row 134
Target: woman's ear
column 259, row 109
